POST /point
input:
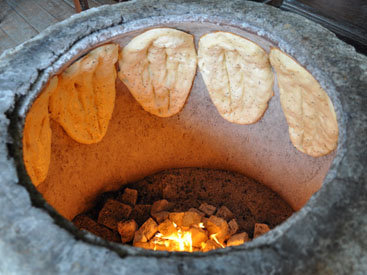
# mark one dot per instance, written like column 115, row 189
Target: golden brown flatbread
column 158, row 66
column 237, row 74
column 310, row 114
column 37, row 136
column 85, row 97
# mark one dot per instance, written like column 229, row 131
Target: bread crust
column 237, row 74
column 158, row 67
column 37, row 136
column 313, row 128
column 85, row 97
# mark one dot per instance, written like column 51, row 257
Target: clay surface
column 138, row 144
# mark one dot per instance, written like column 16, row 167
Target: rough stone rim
column 329, row 81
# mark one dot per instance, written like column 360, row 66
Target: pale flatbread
column 311, row 118
column 237, row 74
column 158, row 66
column 37, row 136
column 85, row 98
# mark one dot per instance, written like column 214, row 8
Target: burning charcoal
column 168, row 246
column 130, row 196
column 146, row 231
column 197, row 211
column 160, row 216
column 190, row 218
column 167, row 228
column 210, row 245
column 140, row 213
column 139, row 237
column 233, row 227
column 260, row 229
column 85, row 223
column 161, row 205
column 113, row 212
column 238, row 239
column 217, row 228
column 198, row 236
column 127, row 230
column 207, row 209
column 224, row 213
column 176, row 217
column 204, row 220
column 160, row 247
column 143, row 245
column 149, row 228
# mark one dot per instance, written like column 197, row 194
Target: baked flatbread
column 237, row 74
column 158, row 67
column 37, row 136
column 85, row 97
column 310, row 114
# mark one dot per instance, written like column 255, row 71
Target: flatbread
column 310, row 114
column 237, row 74
column 37, row 136
column 85, row 97
column 158, row 67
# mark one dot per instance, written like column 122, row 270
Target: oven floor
column 250, row 201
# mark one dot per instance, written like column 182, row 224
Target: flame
column 178, row 241
column 213, row 237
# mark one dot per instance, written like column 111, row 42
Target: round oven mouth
column 121, row 34
column 336, row 198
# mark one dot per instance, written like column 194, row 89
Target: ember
column 187, row 231
column 194, row 237
column 139, row 216
column 177, row 241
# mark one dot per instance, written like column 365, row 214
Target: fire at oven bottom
column 188, row 209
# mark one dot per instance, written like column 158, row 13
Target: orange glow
column 213, row 237
column 178, row 241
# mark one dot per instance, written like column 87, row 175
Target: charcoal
column 83, row 222
column 140, row 213
column 127, row 230
column 161, row 205
column 113, row 212
column 224, row 213
column 238, row 239
column 207, row 209
column 218, row 228
column 260, row 229
column 130, row 196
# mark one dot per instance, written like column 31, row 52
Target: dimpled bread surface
column 37, row 136
column 313, row 128
column 158, row 67
column 85, row 97
column 237, row 74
